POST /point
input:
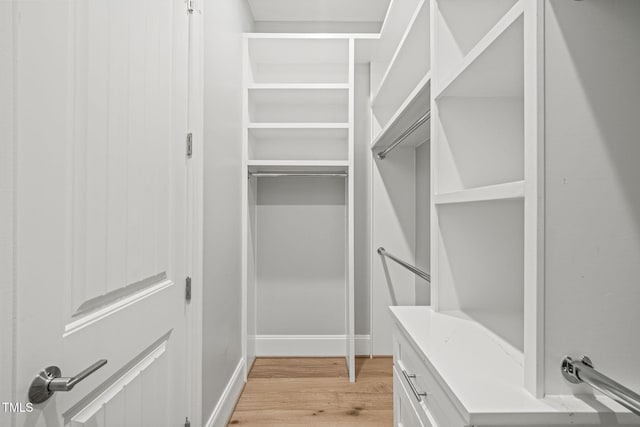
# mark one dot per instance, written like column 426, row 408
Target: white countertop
column 483, row 375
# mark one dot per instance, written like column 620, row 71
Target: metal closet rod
column 581, row 371
column 422, row 120
column 415, row 270
column 287, row 173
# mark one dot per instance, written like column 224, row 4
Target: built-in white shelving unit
column 408, row 65
column 484, row 205
column 400, row 111
column 531, row 254
column 299, row 135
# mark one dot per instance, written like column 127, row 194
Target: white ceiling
column 319, row 10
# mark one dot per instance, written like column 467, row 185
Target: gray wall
column 592, row 181
column 224, row 21
column 423, row 221
column 301, row 256
column 362, row 199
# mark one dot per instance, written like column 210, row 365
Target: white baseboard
column 227, row 402
column 309, row 345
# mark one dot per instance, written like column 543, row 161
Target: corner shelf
column 394, row 27
column 414, row 106
column 410, row 62
column 510, row 190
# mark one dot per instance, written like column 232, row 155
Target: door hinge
column 187, row 423
column 187, row 289
column 189, row 145
column 190, row 6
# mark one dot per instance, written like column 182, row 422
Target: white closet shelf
column 394, row 27
column 298, row 165
column 298, row 125
column 409, row 58
column 312, row 36
column 414, row 106
column 495, row 66
column 297, row 86
column 510, row 190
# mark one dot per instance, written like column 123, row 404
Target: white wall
column 224, row 21
column 592, row 238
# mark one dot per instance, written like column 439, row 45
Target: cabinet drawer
column 436, row 404
column 405, row 414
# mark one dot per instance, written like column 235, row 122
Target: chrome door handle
column 48, row 381
column 418, row 394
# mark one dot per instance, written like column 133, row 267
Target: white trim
column 114, row 308
column 227, row 403
column 310, row 345
column 90, row 410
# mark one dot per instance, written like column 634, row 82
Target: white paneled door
column 100, row 105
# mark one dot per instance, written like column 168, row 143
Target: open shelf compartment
column 298, row 144
column 481, row 264
column 480, row 114
column 495, row 67
column 461, row 25
column 299, row 103
column 480, row 142
column 298, row 60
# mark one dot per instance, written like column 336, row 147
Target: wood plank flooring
column 316, row 392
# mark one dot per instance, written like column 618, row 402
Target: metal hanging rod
column 415, row 270
column 426, row 117
column 581, row 371
column 288, row 173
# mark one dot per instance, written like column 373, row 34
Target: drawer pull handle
column 416, row 393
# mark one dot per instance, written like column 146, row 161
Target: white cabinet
column 450, row 371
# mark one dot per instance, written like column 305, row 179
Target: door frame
column 7, row 205
column 196, row 215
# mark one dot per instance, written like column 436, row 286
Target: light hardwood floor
column 316, row 392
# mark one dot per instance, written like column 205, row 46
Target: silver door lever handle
column 49, row 380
